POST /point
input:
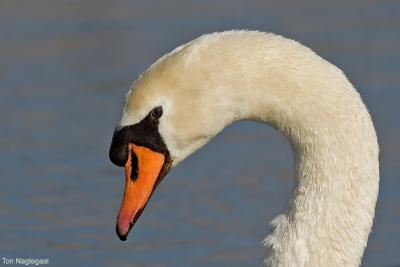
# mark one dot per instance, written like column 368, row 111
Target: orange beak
column 151, row 168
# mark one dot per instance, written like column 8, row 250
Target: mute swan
column 189, row 95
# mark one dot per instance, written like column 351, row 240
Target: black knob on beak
column 119, row 147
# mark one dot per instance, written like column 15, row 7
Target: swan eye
column 156, row 113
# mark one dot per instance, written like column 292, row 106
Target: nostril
column 135, row 170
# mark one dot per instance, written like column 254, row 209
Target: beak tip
column 122, row 237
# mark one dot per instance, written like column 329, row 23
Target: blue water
column 64, row 70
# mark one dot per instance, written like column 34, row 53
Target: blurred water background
column 65, row 67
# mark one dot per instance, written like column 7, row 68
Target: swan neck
column 330, row 214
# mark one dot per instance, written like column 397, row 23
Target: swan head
column 168, row 114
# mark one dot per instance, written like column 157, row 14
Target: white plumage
column 220, row 78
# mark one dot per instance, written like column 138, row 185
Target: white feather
column 223, row 77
